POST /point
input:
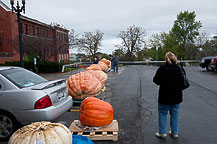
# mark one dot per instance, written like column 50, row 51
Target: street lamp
column 157, row 54
column 18, row 10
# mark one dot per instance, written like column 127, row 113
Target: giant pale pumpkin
column 42, row 133
column 107, row 62
column 98, row 76
column 94, row 67
column 82, row 85
column 95, row 112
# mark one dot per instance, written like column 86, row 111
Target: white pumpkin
column 42, row 133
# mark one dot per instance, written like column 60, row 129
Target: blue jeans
column 115, row 67
column 174, row 118
column 112, row 66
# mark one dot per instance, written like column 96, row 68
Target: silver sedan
column 26, row 97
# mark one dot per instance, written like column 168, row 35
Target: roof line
column 4, row 6
column 30, row 19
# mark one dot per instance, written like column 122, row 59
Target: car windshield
column 22, row 78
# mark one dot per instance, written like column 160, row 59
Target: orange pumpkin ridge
column 71, row 92
column 82, row 85
column 94, row 67
column 75, row 86
column 72, row 82
column 98, row 76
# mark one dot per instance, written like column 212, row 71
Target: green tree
column 142, row 54
column 106, row 56
column 160, row 44
column 120, row 53
column 170, row 44
column 185, row 29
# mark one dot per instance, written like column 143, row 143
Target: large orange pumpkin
column 103, row 65
column 98, row 76
column 82, row 85
column 104, row 75
column 95, row 112
column 107, row 62
column 94, row 67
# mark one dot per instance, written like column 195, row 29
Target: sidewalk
column 59, row 75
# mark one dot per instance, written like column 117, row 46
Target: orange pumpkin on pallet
column 98, row 76
column 82, row 85
column 94, row 67
column 107, row 62
column 95, row 112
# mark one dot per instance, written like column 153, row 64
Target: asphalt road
column 134, row 99
column 133, row 96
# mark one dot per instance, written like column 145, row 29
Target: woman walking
column 169, row 78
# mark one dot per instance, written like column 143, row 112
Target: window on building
column 46, row 33
column 43, row 32
column 58, row 35
column 66, row 38
column 61, row 36
column 38, row 33
column 26, row 29
column 33, row 30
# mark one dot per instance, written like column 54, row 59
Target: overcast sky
column 112, row 16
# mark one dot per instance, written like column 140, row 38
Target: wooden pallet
column 106, row 133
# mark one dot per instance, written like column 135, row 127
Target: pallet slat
column 105, row 133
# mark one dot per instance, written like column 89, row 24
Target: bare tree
column 206, row 45
column 73, row 39
column 132, row 39
column 202, row 39
column 41, row 47
column 90, row 42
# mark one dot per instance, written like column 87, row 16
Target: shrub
column 43, row 66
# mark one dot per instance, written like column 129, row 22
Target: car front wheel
column 208, row 68
column 8, row 125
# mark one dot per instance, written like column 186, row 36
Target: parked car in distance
column 213, row 64
column 26, row 97
column 205, row 63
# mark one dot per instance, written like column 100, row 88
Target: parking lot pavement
column 133, row 96
column 134, row 100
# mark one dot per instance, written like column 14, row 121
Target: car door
column 2, row 87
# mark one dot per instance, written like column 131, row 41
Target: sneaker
column 172, row 135
column 160, row 135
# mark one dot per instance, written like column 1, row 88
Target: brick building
column 48, row 42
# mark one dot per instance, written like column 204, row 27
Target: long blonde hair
column 170, row 58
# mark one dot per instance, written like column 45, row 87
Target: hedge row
column 42, row 66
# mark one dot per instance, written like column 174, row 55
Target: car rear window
column 22, row 78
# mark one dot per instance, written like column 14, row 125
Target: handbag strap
column 182, row 70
